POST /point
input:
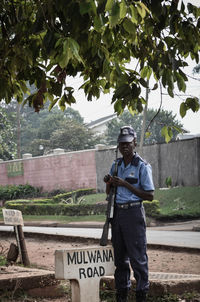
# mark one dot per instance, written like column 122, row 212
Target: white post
column 84, row 267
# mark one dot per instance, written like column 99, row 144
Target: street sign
column 12, row 217
column 84, row 267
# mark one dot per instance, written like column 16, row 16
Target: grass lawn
column 175, row 203
column 179, row 201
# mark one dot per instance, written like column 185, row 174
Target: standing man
column 133, row 185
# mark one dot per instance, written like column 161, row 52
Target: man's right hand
column 107, row 179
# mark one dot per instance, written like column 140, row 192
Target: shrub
column 74, row 195
column 9, row 192
column 152, row 208
column 29, row 201
column 29, row 208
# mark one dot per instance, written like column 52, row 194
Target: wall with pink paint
column 72, row 170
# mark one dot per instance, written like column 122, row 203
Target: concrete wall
column 180, row 160
column 71, row 170
column 83, row 169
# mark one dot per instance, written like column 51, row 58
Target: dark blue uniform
column 129, row 226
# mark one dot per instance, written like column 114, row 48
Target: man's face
column 126, row 148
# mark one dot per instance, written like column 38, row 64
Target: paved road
column 162, row 237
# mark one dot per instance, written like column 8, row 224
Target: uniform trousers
column 129, row 243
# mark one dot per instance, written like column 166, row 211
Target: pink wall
column 69, row 171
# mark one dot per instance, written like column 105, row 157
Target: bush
column 152, row 208
column 48, row 208
column 9, row 192
column 29, row 201
column 58, row 209
column 74, row 195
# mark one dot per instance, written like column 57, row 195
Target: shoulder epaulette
column 119, row 161
column 136, row 159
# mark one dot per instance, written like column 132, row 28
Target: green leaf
column 109, row 5
column 170, row 91
column 62, row 102
column 118, row 107
column 170, row 79
column 144, row 83
column 122, row 91
column 129, row 26
column 166, row 132
column 97, row 23
column 183, row 109
column 132, row 111
column 147, row 134
column 74, row 47
column 146, row 72
column 141, row 9
column 56, row 88
column 115, row 14
column 180, row 82
column 52, row 104
column 85, row 7
column 123, row 9
column 134, row 14
column 155, row 86
column 192, row 103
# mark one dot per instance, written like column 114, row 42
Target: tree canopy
column 44, row 42
column 41, row 133
column 155, row 126
column 8, row 147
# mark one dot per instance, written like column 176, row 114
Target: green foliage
column 57, row 209
column 8, row 147
column 40, row 133
column 74, row 195
column 3, row 260
column 152, row 208
column 18, row 191
column 178, row 203
column 163, row 127
column 168, row 181
column 108, row 294
column 46, row 42
column 84, row 209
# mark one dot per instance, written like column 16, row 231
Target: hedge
column 18, row 191
column 30, row 201
column 74, row 194
column 151, row 208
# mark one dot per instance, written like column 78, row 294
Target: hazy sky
column 91, row 111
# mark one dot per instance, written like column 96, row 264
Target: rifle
column 110, row 208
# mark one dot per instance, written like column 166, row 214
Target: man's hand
column 107, row 179
column 117, row 181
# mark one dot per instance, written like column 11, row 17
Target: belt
column 128, row 205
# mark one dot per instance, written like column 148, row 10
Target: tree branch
column 151, row 121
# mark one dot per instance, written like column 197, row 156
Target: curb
column 90, row 240
column 162, row 287
column 160, row 283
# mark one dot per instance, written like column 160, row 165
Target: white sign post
column 14, row 217
column 84, row 267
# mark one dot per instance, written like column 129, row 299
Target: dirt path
column 41, row 254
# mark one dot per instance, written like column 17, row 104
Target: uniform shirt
column 138, row 173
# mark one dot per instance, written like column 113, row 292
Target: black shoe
column 122, row 295
column 141, row 296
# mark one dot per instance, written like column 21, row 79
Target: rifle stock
column 104, row 236
column 109, row 211
column 109, row 216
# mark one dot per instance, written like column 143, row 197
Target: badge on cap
column 125, row 131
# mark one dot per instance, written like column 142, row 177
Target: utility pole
column 18, row 132
column 144, row 118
